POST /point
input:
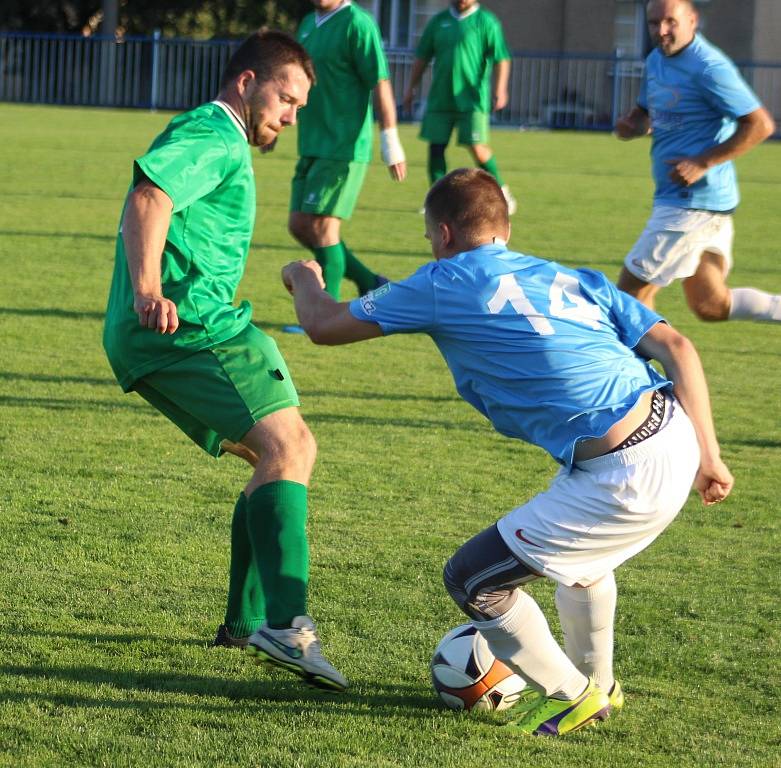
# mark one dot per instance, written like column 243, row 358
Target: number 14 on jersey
column 565, row 301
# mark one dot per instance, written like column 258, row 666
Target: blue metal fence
column 546, row 90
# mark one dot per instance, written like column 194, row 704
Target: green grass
column 115, row 529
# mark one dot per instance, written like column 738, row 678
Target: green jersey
column 202, row 162
column 346, row 49
column 465, row 50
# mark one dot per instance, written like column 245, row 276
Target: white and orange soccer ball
column 466, row 675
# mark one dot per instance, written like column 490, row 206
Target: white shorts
column 607, row 509
column 673, row 241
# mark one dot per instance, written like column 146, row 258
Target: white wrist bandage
column 390, row 147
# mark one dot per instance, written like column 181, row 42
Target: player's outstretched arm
column 144, row 229
column 683, row 367
column 390, row 145
column 633, row 124
column 325, row 321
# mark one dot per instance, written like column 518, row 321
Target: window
column 401, row 22
column 631, row 35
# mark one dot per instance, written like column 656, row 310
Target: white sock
column 751, row 304
column 522, row 639
column 587, row 616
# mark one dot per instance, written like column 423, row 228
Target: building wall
column 767, row 23
column 745, row 29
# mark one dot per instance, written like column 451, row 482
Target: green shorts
column 326, row 187
column 221, row 392
column 472, row 127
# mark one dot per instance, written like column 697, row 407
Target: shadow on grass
column 64, row 314
column 370, row 701
column 412, row 423
column 61, row 404
column 422, row 255
column 47, row 379
column 102, row 640
column 398, row 396
column 760, row 443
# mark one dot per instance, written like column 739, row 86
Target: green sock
column 246, row 609
column 437, row 166
column 331, row 258
column 276, row 521
column 358, row 272
column 490, row 166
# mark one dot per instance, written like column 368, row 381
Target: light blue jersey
column 543, row 351
column 693, row 99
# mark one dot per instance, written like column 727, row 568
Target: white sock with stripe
column 522, row 639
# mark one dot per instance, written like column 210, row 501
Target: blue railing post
column 155, row 68
column 617, row 73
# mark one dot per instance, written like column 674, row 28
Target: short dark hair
column 265, row 53
column 470, row 200
column 690, row 3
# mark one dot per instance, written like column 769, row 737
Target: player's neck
column 321, row 16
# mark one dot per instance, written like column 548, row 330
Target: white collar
column 460, row 16
column 320, row 20
column 234, row 116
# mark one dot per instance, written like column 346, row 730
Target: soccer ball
column 466, row 675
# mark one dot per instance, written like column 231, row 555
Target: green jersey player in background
column 467, row 44
column 335, row 136
column 174, row 336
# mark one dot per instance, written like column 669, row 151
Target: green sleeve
column 186, row 162
column 496, row 42
column 425, row 49
column 367, row 53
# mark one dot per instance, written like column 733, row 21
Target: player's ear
column 244, row 79
column 445, row 233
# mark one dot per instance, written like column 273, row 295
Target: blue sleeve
column 727, row 92
column 404, row 307
column 631, row 319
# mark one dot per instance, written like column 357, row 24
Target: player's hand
column 500, row 101
column 294, row 269
column 407, row 102
column 398, row 171
column 713, row 481
column 156, row 313
column 626, row 128
column 686, row 170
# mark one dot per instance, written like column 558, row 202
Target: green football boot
column 555, row 717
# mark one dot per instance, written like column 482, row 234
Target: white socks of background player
column 751, row 304
column 586, row 616
column 522, row 639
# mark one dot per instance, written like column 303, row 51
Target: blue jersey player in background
column 701, row 115
column 560, row 358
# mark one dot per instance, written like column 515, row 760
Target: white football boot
column 298, row 650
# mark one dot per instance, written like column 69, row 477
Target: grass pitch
column 115, row 528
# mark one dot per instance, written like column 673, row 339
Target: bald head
column 672, row 24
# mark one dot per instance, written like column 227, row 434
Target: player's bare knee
column 296, row 226
column 298, row 447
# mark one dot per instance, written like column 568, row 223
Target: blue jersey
column 693, row 99
column 543, row 351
